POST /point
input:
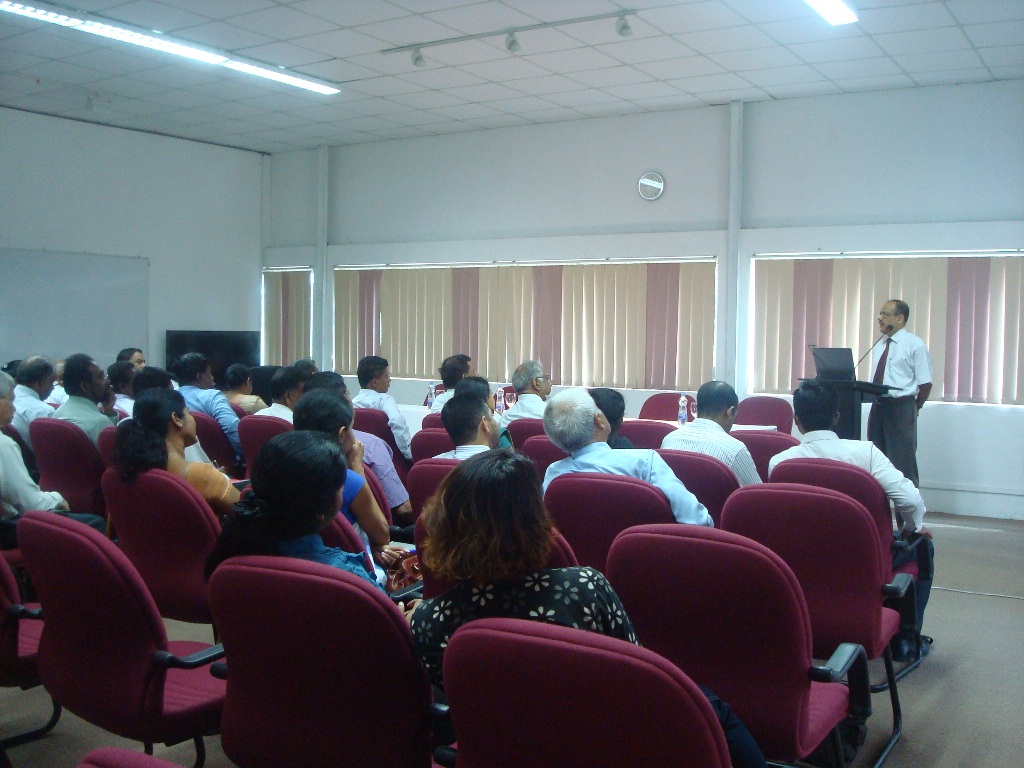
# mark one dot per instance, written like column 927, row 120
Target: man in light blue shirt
column 195, row 376
column 575, row 424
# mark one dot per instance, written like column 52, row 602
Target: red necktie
column 880, row 369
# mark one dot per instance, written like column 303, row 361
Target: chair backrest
column 521, row 430
column 69, row 463
column 664, row 406
column 591, row 509
column 102, row 627
column 240, row 412
column 311, row 650
column 429, row 442
column 542, row 452
column 424, row 478
column 644, row 433
column 12, row 671
column 705, row 477
column 106, row 443
column 109, row 757
column 830, row 542
column 377, row 489
column 167, row 530
column 27, row 456
column 560, row 556
column 725, row 590
column 215, row 443
column 375, row 422
column 511, row 397
column 506, row 681
column 255, row 431
column 432, row 421
column 763, row 445
column 768, row 410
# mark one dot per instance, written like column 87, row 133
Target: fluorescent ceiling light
column 162, row 44
column 835, row 12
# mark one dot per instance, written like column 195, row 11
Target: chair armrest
column 905, row 545
column 219, row 669
column 899, row 586
column 445, row 756
column 850, row 661
column 411, row 592
column 167, row 660
column 24, row 612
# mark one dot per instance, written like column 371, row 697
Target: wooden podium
column 853, row 394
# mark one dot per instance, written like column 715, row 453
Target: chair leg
column 24, row 738
column 897, row 710
column 837, row 747
column 147, row 747
column 200, row 752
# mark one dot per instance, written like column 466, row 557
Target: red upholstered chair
column 375, row 422
column 506, row 678
column 26, row 452
column 831, row 543
column 167, row 530
column 664, row 406
column 705, row 477
column 20, row 631
column 240, row 412
column 424, row 478
column 104, row 653
column 254, row 431
column 311, row 651
column 543, row 452
column 509, row 394
column 763, row 446
column 427, row 443
column 591, row 509
column 767, row 410
column 106, row 442
column 521, row 430
column 432, row 421
column 69, row 463
column 437, row 390
column 644, row 433
column 216, row 444
column 122, row 758
column 378, row 492
column 725, row 591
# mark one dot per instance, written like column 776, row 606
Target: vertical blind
column 966, row 309
column 622, row 325
column 287, row 315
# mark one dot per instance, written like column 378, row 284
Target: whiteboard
column 56, row 304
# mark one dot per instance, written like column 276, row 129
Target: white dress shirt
column 382, row 401
column 27, row 408
column 826, row 444
column 528, row 406
column 463, row 452
column 58, row 397
column 278, row 411
column 441, row 399
column 908, row 365
column 124, row 403
column 639, row 463
column 18, row 492
column 708, row 437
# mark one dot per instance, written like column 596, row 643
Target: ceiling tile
column 374, row 107
column 739, row 94
column 282, row 55
column 677, row 101
column 539, row 86
column 407, row 30
column 929, row 41
column 523, row 104
column 725, row 82
column 336, row 70
column 417, row 117
column 503, row 70
column 535, row 41
column 783, row 76
column 981, row 11
column 1008, row 73
column 350, row 13
column 556, row 115
column 286, row 23
column 118, row 61
column 951, row 77
column 343, row 43
column 485, row 92
column 906, row 18
column 545, row 10
column 692, row 66
column 382, row 86
column 481, row 17
column 605, row 31
column 640, row 91
column 995, row 35
column 807, row 30
column 154, row 16
column 466, row 111
column 612, row 76
column 283, row 102
column 801, row 90
column 648, row 49
column 59, row 45
column 759, row 11
column 426, row 6
column 581, row 98
column 221, row 9
column 837, row 50
column 13, row 84
column 1008, row 56
column 230, row 89
column 939, row 62
column 576, row 60
column 840, row 70
column 611, row 109
column 729, row 39
column 875, row 83
column 445, row 78
column 468, row 52
column 232, row 109
column 693, row 17
column 500, row 121
column 183, row 74
column 223, row 36
column 760, row 58
column 277, row 120
column 134, row 88
column 427, row 100
column 61, row 72
column 179, row 99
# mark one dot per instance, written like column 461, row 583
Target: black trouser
column 892, row 427
column 743, row 750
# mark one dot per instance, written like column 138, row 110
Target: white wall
column 192, row 210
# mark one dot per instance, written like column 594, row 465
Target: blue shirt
column 213, row 403
column 642, row 464
column 312, row 547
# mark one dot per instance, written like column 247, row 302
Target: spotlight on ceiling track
column 417, row 58
column 623, row 28
column 512, row 43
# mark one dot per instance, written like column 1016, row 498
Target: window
column 287, row 315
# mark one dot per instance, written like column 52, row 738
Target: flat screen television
column 224, row 348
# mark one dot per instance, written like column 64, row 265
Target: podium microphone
column 887, row 328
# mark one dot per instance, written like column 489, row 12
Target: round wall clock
column 651, row 186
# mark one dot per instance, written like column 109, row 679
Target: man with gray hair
column 533, row 387
column 575, row 424
column 35, row 378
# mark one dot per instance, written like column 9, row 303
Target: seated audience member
column 533, row 387
column 613, row 405
column 58, row 396
column 134, row 356
column 377, row 454
column 239, row 391
column 816, row 412
column 296, row 480
column 18, row 492
column 479, row 386
column 152, row 377
column 35, row 377
column 374, row 375
column 196, row 379
column 11, row 368
column 156, row 438
column 453, row 370
column 305, row 367
column 120, row 376
column 489, row 534
column 575, row 424
column 90, row 403
column 470, row 425
column 327, row 414
column 709, row 432
column 285, row 389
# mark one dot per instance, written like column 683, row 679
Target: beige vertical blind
column 416, row 320
column 772, row 325
column 506, row 297
column 346, row 319
column 287, row 315
column 695, row 339
column 1006, row 384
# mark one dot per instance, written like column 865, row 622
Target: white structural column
column 322, row 347
column 728, row 339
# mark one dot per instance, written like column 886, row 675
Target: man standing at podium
column 904, row 364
